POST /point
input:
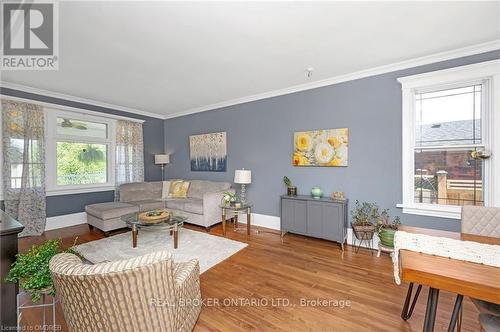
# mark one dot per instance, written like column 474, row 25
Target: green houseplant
column 230, row 198
column 291, row 190
column 364, row 216
column 31, row 269
column 387, row 228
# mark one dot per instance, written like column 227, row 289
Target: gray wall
column 153, row 144
column 260, row 138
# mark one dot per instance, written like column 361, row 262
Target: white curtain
column 23, row 143
column 129, row 154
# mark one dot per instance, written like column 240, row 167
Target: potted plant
column 291, row 190
column 363, row 217
column 386, row 229
column 31, row 269
column 230, row 198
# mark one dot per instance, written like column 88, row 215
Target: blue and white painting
column 208, row 152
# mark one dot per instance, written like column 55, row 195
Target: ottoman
column 106, row 216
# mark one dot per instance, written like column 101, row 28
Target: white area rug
column 208, row 249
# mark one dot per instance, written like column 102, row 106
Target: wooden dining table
column 442, row 273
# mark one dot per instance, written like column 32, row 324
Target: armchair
column 146, row 293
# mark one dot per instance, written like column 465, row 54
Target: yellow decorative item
column 178, row 189
column 303, row 142
column 327, row 147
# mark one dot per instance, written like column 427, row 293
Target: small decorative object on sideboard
column 363, row 226
column 230, row 198
column 316, row 193
column 338, row 195
column 386, row 229
column 291, row 190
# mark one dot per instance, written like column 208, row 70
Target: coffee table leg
column 235, row 221
column 134, row 236
column 176, row 237
column 223, row 221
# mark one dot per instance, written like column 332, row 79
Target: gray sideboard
column 322, row 218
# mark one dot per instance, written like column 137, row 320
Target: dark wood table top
column 9, row 225
column 460, row 277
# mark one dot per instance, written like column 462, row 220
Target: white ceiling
column 171, row 57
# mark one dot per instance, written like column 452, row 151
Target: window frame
column 52, row 137
column 488, row 73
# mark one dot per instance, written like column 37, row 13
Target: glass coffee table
column 172, row 224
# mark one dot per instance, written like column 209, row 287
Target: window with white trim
column 448, row 140
column 80, row 152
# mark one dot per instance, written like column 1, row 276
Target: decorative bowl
column 153, row 217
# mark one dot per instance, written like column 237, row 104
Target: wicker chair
column 479, row 220
column 147, row 293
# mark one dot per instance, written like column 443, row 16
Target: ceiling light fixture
column 309, row 72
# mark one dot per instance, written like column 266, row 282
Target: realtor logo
column 30, row 36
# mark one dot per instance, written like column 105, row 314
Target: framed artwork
column 327, row 147
column 208, row 152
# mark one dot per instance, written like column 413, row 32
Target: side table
column 244, row 208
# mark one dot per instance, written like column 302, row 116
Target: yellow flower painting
column 326, row 147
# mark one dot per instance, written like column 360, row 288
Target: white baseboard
column 262, row 220
column 273, row 222
column 65, row 220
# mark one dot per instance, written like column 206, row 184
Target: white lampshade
column 161, row 159
column 242, row 176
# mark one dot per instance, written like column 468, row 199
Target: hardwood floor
column 266, row 285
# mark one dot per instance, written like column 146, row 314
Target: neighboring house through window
column 448, row 139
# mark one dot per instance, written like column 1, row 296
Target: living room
column 235, row 166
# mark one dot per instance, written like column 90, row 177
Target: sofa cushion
column 110, row 210
column 137, row 191
column 193, row 205
column 148, row 204
column 176, row 204
column 200, row 187
column 178, row 189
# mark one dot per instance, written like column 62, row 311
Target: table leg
column 235, row 220
column 224, row 221
column 406, row 314
column 176, row 238
column 430, row 311
column 248, row 221
column 457, row 309
column 134, row 236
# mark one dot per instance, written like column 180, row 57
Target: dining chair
column 481, row 220
column 485, row 221
column 489, row 323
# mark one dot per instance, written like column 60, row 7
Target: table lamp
column 243, row 177
column 162, row 160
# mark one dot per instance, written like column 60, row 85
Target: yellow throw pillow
column 178, row 189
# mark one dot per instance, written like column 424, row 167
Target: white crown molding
column 92, row 102
column 438, row 57
column 425, row 60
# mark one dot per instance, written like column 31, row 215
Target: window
column 448, row 150
column 79, row 152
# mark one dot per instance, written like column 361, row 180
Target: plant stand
column 44, row 305
column 382, row 248
column 363, row 236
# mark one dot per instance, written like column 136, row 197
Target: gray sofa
column 201, row 205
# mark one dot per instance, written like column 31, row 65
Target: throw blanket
column 469, row 251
